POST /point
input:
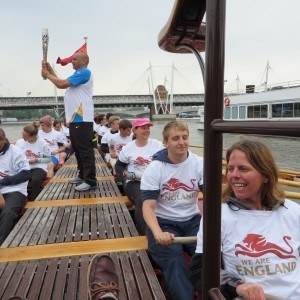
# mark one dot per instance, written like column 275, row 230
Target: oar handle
column 185, row 240
column 271, row 297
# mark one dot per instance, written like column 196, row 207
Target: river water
column 286, row 150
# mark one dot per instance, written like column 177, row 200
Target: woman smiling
column 260, row 230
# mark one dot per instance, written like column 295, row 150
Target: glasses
column 2, row 139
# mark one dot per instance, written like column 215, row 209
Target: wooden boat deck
column 47, row 254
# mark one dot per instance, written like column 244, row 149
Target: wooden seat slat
column 36, row 284
column 63, row 226
column 27, row 277
column 45, row 232
column 78, row 224
column 73, row 279
column 152, row 280
column 72, row 248
column 61, row 278
column 115, row 222
column 47, row 289
column 123, row 224
column 129, row 278
column 66, row 179
column 116, row 259
column 15, row 280
column 56, row 225
column 71, row 224
column 86, row 223
column 6, row 276
column 24, row 231
column 103, row 164
column 137, row 272
column 83, row 286
column 93, row 222
column 30, row 229
column 101, row 223
column 108, row 224
column 72, row 202
column 131, row 225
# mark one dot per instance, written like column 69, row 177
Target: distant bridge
column 11, row 103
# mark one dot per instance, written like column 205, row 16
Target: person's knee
column 9, row 215
column 36, row 180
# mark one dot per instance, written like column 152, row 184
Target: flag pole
column 85, row 39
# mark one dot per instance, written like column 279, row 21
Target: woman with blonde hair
column 260, row 229
column 38, row 155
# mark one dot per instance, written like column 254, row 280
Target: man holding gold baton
column 79, row 110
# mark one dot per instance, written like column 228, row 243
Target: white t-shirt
column 38, row 149
column 119, row 142
column 106, row 140
column 12, row 163
column 178, row 185
column 262, row 247
column 52, row 139
column 102, row 130
column 65, row 131
column 79, row 106
column 138, row 158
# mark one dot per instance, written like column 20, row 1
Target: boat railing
column 264, row 88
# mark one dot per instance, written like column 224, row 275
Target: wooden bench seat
column 63, row 190
column 66, row 278
column 47, row 254
column 48, row 225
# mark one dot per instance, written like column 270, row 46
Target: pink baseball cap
column 141, row 122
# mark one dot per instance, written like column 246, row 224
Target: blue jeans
column 170, row 259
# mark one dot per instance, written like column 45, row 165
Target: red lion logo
column 50, row 143
column 119, row 148
column 4, row 174
column 141, row 161
column 30, row 153
column 174, row 184
column 256, row 245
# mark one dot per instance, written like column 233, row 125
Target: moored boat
column 276, row 103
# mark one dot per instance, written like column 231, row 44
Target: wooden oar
column 271, row 297
column 185, row 240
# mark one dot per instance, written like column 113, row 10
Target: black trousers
column 14, row 203
column 37, row 177
column 133, row 192
column 81, row 135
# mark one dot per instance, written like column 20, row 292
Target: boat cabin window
column 296, row 109
column 227, row 113
column 286, row 110
column 258, row 111
column 235, row 112
column 242, row 112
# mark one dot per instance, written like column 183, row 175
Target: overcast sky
column 122, row 42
